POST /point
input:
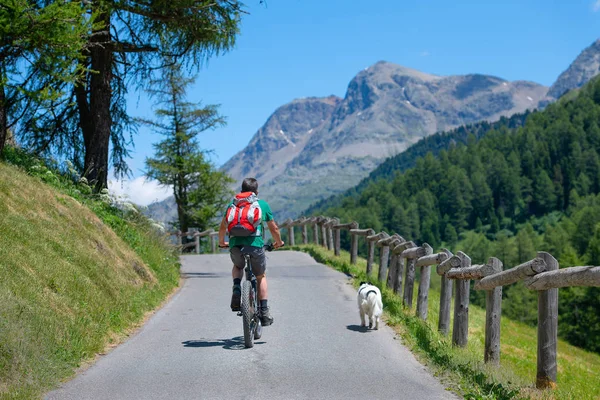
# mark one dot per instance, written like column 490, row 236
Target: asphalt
column 193, row 347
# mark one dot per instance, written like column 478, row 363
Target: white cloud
column 596, row 6
column 139, row 190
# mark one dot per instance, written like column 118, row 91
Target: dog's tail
column 374, row 304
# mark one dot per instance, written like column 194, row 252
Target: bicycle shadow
column 236, row 343
column 358, row 328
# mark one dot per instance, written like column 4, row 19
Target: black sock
column 263, row 304
column 237, row 281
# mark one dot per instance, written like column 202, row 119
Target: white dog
column 369, row 302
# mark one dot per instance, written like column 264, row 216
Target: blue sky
column 300, row 48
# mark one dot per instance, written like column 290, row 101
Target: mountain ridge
column 312, row 148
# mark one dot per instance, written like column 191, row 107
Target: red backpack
column 244, row 215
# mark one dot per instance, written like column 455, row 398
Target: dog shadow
column 236, row 343
column 358, row 328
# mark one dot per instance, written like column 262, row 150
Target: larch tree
column 39, row 47
column 126, row 48
column 201, row 192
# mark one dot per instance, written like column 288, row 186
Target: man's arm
column 222, row 231
column 274, row 229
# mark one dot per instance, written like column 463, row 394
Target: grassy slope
column 578, row 371
column 70, row 284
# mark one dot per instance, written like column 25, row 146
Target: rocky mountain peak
column 585, row 67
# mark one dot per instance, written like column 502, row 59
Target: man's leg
column 259, row 268
column 263, row 293
column 236, row 273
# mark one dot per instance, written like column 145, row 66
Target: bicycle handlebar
column 267, row 247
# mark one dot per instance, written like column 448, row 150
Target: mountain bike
column 249, row 303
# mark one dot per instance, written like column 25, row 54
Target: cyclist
column 252, row 245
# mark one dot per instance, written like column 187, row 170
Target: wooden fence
column 196, row 236
column 399, row 258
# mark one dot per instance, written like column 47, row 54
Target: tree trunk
column 3, row 119
column 97, row 133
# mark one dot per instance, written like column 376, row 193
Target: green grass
column 77, row 276
column 463, row 369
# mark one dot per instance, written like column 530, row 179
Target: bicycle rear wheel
column 248, row 310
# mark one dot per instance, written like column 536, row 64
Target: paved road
column 193, row 347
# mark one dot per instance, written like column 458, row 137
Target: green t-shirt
column 258, row 240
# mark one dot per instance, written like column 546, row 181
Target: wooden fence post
column 288, row 223
column 337, row 244
column 493, row 313
column 213, row 241
column 291, row 234
column 353, row 244
column 384, row 256
column 411, row 254
column 493, row 304
column 337, row 227
column 397, row 250
column 282, row 226
column 547, row 330
column 393, row 268
column 197, row 242
column 445, row 296
column 315, row 230
column 330, row 224
column 372, row 238
column 460, row 329
column 425, row 262
column 304, row 234
column 321, row 222
column 302, row 221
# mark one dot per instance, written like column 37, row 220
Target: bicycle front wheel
column 248, row 312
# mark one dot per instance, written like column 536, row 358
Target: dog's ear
column 362, row 283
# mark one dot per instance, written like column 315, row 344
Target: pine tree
column 593, row 251
column 525, row 244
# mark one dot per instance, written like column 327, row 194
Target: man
column 252, row 245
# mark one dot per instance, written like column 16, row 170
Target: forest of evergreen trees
column 509, row 194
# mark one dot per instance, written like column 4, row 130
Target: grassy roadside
column 77, row 275
column 463, row 369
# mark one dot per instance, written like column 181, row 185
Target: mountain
column 433, row 144
column 282, row 139
column 163, row 211
column 312, row 148
column 584, row 68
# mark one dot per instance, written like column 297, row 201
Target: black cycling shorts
column 258, row 259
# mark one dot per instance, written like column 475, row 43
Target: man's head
column 250, row 185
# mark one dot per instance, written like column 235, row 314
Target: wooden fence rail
column 196, row 236
column 398, row 259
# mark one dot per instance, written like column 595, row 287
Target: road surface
column 193, row 347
